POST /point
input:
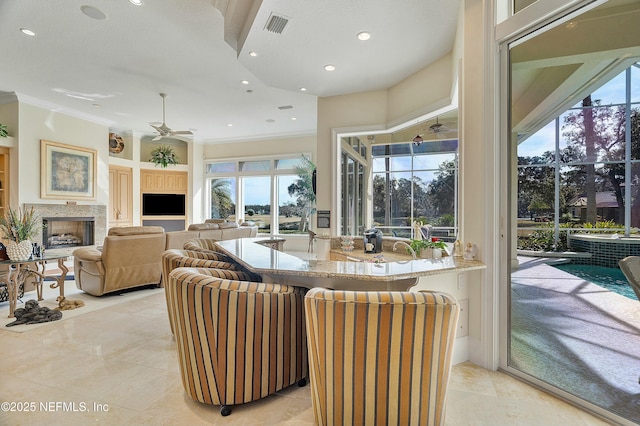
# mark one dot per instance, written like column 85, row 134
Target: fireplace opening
column 60, row 232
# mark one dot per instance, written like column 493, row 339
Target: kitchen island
column 283, row 268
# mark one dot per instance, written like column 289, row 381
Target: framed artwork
column 67, row 172
column 324, row 219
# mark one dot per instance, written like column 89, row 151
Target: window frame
column 273, row 173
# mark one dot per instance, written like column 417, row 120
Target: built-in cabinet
column 164, row 198
column 120, row 196
column 163, row 182
column 4, row 180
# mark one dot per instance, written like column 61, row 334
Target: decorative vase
column 426, row 253
column 431, row 253
column 19, row 251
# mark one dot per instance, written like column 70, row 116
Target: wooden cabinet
column 120, row 196
column 161, row 181
column 4, row 180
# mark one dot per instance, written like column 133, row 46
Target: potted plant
column 428, row 249
column 18, row 227
column 163, row 155
column 3, row 131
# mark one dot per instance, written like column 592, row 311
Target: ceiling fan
column 164, row 130
column 437, row 129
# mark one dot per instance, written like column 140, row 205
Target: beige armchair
column 379, row 357
column 630, row 267
column 130, row 257
column 247, row 345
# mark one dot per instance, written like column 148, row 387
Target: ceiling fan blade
column 162, row 128
column 157, row 138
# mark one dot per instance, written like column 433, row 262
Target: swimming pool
column 610, row 278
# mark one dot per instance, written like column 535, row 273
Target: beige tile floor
column 117, row 366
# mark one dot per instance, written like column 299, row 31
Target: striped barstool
column 379, row 357
column 237, row 341
column 172, row 259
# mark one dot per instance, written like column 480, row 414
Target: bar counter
column 283, row 268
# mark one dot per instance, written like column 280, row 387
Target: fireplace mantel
column 99, row 212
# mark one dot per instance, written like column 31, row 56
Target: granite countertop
column 264, row 260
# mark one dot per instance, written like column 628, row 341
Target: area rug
column 91, row 303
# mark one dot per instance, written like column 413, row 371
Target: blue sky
column 257, row 190
column 612, row 92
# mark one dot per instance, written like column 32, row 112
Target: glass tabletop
column 44, row 258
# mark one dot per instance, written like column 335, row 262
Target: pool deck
column 576, row 335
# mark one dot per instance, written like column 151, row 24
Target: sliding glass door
column 574, row 150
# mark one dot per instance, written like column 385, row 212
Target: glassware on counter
column 347, row 243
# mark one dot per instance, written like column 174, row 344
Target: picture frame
column 324, row 219
column 67, row 172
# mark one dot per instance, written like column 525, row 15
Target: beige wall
column 367, row 109
column 36, row 123
column 428, row 89
column 263, row 147
column 9, row 114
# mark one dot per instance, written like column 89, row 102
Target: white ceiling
column 112, row 70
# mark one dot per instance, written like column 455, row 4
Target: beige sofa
column 130, row 257
column 216, row 229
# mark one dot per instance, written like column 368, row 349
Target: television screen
column 163, row 204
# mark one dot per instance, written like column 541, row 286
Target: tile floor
column 117, row 366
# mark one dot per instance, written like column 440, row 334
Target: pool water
column 610, row 278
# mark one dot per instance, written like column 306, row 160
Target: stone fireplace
column 65, row 219
column 61, row 232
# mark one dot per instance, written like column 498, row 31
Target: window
column 577, row 171
column 267, row 191
column 416, row 183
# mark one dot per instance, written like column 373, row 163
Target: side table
column 19, row 270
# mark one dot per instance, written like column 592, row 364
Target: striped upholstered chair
column 379, row 357
column 206, row 245
column 172, row 259
column 237, row 341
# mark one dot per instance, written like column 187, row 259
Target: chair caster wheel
column 302, row 382
column 225, row 410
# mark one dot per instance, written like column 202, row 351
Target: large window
column 416, row 182
column 581, row 169
column 267, row 191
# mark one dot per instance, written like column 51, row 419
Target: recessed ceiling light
column 249, row 91
column 27, row 31
column 294, row 118
column 93, row 12
column 97, row 105
column 303, row 89
column 329, row 67
column 136, row 2
column 252, row 53
column 230, row 125
column 364, row 36
column 244, row 82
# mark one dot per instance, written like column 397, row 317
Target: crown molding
column 22, row 98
